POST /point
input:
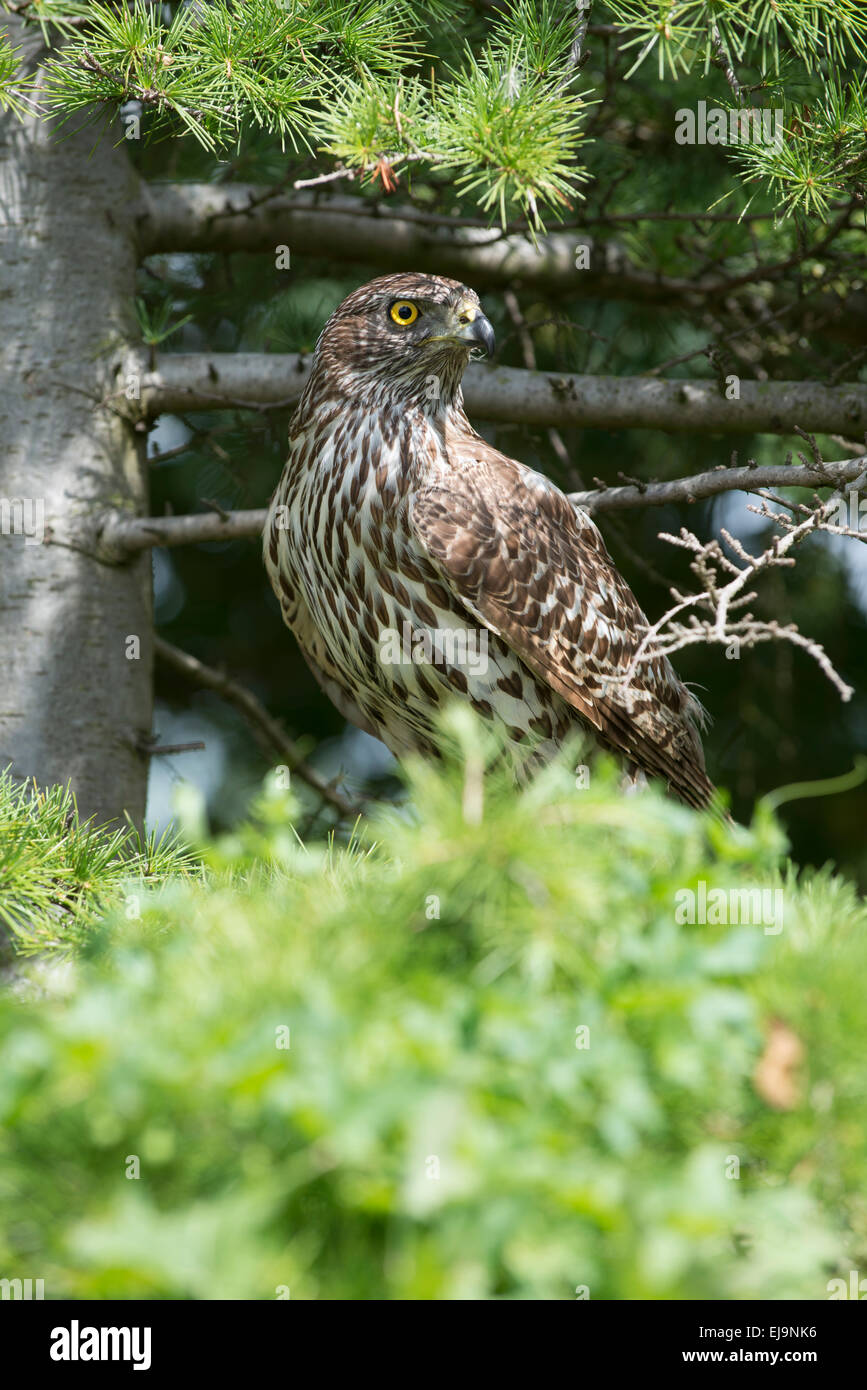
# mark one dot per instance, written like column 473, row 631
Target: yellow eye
column 403, row 312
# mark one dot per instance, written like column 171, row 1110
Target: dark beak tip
column 484, row 335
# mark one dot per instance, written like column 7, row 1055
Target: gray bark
column 193, row 381
column 246, row 217
column 72, row 705
column 205, row 217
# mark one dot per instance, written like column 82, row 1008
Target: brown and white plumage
column 392, row 509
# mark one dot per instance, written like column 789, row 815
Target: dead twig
column 267, row 729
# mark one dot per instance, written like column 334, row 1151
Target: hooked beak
column 475, row 330
column 471, row 330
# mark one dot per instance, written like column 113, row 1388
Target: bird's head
column 406, row 338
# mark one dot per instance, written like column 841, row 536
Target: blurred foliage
column 360, row 1072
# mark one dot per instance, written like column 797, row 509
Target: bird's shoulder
column 481, row 504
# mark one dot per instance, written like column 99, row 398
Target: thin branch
column 372, row 169
column 747, row 478
column 577, row 57
column 174, row 453
column 164, row 750
column 332, row 177
column 122, row 536
column 721, row 59
column 267, row 729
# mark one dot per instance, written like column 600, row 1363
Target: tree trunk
column 75, row 691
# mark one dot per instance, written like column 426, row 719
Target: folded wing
column 534, row 569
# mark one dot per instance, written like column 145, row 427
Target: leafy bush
column 358, row 1071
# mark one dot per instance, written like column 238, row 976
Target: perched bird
column 414, row 562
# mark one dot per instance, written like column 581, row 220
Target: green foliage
column 683, row 33
column 14, row 85
column 154, row 323
column 795, row 48
column 59, row 875
column 429, row 1126
column 206, row 72
column 371, row 117
column 332, row 73
column 510, row 131
column 356, row 82
column 823, row 154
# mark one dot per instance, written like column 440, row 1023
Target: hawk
column 416, row 563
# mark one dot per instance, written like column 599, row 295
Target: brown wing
column 535, row 570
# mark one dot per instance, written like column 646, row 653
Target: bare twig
column 268, row 731
column 393, row 161
column 716, row 612
column 335, row 175
column 164, row 750
column 721, row 59
column 579, row 34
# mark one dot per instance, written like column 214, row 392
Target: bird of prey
column 416, row 563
